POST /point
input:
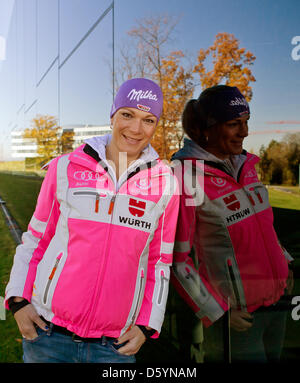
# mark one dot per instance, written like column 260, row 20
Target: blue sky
column 265, row 27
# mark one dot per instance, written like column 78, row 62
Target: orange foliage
column 50, row 141
column 177, row 87
column 230, row 64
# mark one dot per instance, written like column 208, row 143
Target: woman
column 226, row 220
column 90, row 281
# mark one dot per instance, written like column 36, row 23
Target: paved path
column 283, row 189
column 14, row 229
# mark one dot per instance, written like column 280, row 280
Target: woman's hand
column 238, row 320
column 26, row 317
column 134, row 338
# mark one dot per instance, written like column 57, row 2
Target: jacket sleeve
column 286, row 254
column 160, row 260
column 186, row 277
column 35, row 241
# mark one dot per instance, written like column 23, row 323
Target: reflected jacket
column 96, row 257
column 226, row 251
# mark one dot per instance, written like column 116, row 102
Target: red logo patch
column 143, row 107
column 232, row 202
column 137, row 208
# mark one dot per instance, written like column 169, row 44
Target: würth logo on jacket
column 233, row 204
column 136, row 209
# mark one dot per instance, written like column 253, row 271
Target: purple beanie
column 221, row 103
column 139, row 93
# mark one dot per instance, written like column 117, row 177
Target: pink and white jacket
column 226, row 251
column 96, row 257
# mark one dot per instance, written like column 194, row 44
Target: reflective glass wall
column 62, row 52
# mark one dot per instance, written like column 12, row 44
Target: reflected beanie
column 221, row 103
column 139, row 93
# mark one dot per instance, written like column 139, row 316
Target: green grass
column 10, row 339
column 293, row 189
column 284, row 199
column 12, row 165
column 20, row 194
column 286, row 208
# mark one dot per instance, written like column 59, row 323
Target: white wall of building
column 27, row 148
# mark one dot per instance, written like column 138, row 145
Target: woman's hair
column 192, row 125
column 217, row 104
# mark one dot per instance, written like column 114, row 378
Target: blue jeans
column 54, row 347
column 261, row 343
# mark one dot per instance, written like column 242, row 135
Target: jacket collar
column 99, row 144
column 232, row 166
column 92, row 155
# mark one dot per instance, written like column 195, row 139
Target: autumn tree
column 280, row 160
column 231, row 64
column 132, row 63
column 150, row 37
column 293, row 157
column 264, row 164
column 45, row 132
column 177, row 88
column 146, row 56
column 49, row 137
column 66, row 141
column 277, row 154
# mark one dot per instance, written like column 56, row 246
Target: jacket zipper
column 250, row 198
column 85, row 193
column 256, row 191
column 110, row 212
column 162, row 286
column 50, row 278
column 96, row 194
column 111, row 205
column 108, row 243
column 133, row 318
column 234, row 285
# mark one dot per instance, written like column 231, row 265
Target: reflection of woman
column 228, row 222
column 94, row 263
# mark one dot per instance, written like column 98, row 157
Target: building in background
column 22, row 147
column 82, row 133
column 27, row 148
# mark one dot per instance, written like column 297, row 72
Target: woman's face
column 132, row 131
column 227, row 138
